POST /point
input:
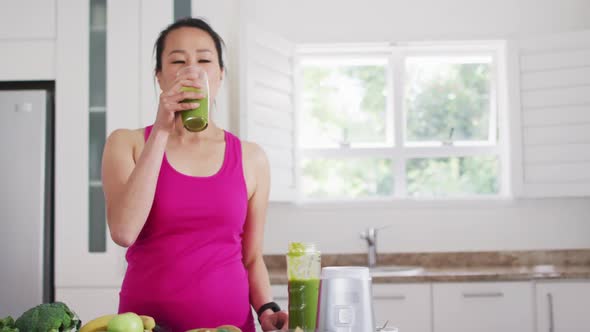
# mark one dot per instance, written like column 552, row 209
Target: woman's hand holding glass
column 175, row 100
column 196, row 119
column 274, row 321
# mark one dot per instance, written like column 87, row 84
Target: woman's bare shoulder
column 253, row 153
column 131, row 140
column 127, row 136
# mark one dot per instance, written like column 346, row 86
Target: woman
column 189, row 206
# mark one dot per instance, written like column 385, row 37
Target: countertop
column 461, row 266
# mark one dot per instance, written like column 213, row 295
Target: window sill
column 408, row 203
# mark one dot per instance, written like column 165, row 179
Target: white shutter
column 555, row 103
column 267, row 104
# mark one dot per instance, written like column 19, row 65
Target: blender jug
column 346, row 301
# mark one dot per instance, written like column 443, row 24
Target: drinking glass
column 196, row 119
column 303, row 270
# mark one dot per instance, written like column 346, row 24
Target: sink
column 395, row 270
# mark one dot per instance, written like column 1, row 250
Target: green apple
column 127, row 322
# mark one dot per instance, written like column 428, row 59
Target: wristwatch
column 270, row 305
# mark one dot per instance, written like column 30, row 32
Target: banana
column 97, row 324
column 228, row 328
column 148, row 322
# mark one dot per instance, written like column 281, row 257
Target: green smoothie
column 303, row 303
column 196, row 119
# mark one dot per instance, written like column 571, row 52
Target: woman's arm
column 129, row 186
column 260, row 292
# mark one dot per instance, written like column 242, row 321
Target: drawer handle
column 390, row 297
column 551, row 320
column 468, row 295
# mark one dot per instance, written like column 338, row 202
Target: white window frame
column 396, row 53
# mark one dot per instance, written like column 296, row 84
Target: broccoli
column 7, row 325
column 48, row 317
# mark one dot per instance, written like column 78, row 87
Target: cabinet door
column 90, row 303
column 483, row 307
column 95, row 94
column 404, row 306
column 83, row 256
column 28, row 19
column 563, row 306
column 280, row 294
column 27, row 40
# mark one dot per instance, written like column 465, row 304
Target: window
column 398, row 122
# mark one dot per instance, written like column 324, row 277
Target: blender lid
column 347, row 272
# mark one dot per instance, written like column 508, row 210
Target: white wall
column 416, row 227
column 223, row 17
column 395, row 20
column 516, row 225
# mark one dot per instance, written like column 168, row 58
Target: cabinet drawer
column 483, row 307
column 405, row 306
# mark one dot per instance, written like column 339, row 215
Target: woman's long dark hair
column 189, row 22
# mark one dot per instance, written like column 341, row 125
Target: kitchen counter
column 461, row 266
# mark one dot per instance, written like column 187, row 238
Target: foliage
column 334, row 178
column 444, row 97
column 452, row 176
column 346, row 106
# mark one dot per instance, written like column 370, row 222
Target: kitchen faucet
column 370, row 235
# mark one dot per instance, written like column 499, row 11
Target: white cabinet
column 405, row 306
column 563, row 306
column 280, row 293
column 27, row 19
column 154, row 16
column 84, row 255
column 483, row 307
column 102, row 61
column 27, row 40
column 89, row 303
column 559, row 306
column 98, row 90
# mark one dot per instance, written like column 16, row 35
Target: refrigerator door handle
column 25, row 107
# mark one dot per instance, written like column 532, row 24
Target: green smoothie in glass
column 303, row 270
column 196, row 119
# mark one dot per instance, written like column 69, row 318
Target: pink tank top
column 185, row 268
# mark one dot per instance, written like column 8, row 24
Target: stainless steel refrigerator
column 26, row 213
